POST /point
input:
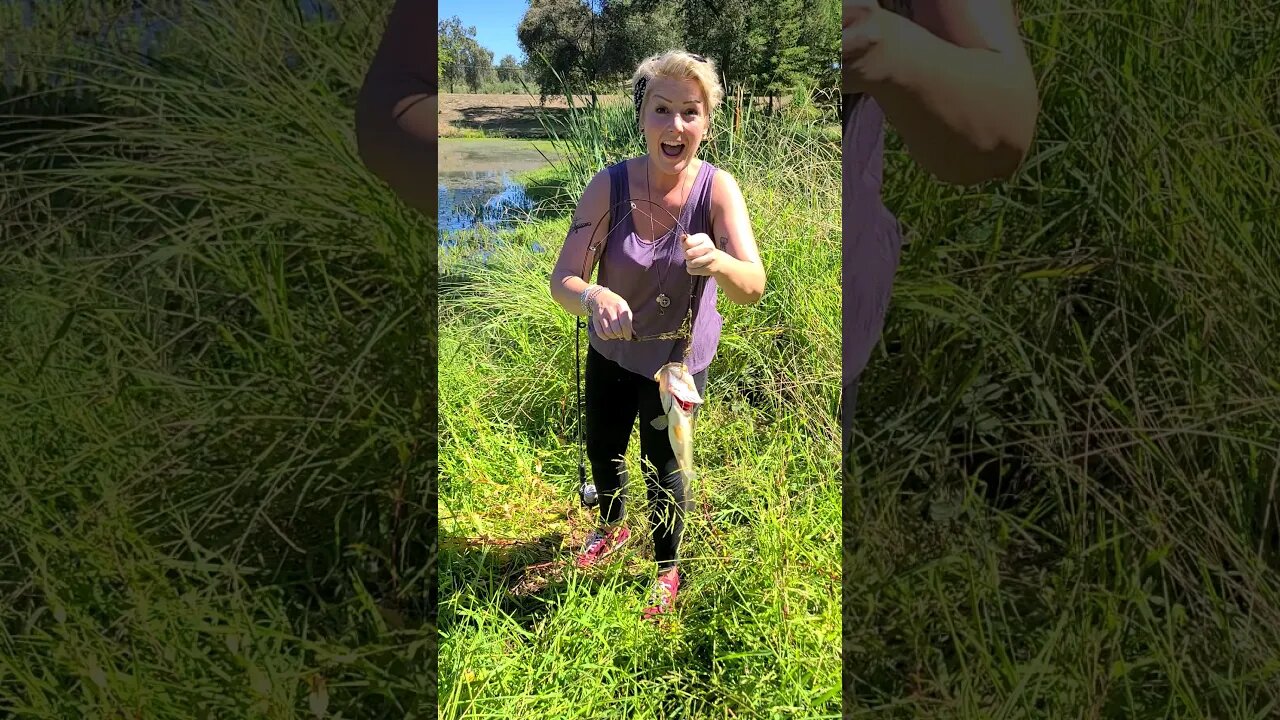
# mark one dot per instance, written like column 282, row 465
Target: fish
column 679, row 400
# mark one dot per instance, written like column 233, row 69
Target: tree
column 509, row 69
column 449, row 39
column 780, row 65
column 636, row 30
column 480, row 70
column 444, row 61
column 593, row 43
column 555, row 36
column 725, row 30
column 771, row 48
column 461, row 57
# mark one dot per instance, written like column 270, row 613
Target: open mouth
column 685, row 405
column 671, row 150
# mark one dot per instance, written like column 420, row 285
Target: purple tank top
column 632, row 268
column 871, row 238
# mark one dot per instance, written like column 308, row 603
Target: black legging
column 614, row 397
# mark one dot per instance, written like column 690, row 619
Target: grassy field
column 522, row 633
column 218, row 373
column 217, row 367
column 1068, row 500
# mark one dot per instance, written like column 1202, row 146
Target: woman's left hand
column 701, row 256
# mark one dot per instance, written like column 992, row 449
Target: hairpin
column 639, row 96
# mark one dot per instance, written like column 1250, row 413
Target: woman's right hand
column 611, row 316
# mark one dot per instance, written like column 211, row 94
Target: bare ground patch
column 506, row 115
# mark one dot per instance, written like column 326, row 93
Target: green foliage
column 1068, row 434
column 524, row 633
column 509, row 70
column 462, row 58
column 446, row 61
column 217, row 353
column 591, row 45
column 767, row 47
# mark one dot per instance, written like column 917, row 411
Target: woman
column 648, row 266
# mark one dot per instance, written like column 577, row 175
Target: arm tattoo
column 724, row 241
column 578, row 226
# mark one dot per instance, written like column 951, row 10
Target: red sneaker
column 600, row 545
column 667, row 586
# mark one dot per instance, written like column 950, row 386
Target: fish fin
column 659, row 423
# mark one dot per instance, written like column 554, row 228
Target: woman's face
column 674, row 122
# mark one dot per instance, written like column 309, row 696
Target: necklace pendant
column 663, row 302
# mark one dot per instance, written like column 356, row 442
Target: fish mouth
column 685, row 405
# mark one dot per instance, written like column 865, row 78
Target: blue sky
column 495, row 22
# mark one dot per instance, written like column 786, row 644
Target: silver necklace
column 662, row 300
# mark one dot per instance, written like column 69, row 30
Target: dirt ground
column 504, row 115
column 516, row 116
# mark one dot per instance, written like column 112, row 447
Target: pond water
column 476, row 185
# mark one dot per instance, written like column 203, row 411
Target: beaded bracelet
column 588, row 296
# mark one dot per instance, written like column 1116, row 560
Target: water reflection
column 478, row 193
column 496, row 203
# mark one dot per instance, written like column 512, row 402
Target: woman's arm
column 396, row 124
column 954, row 80
column 734, row 259
column 610, row 313
column 568, row 278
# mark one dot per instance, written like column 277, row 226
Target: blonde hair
column 677, row 65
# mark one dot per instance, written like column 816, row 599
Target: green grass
column 216, row 374
column 522, row 633
column 468, row 134
column 1067, row 501
column 218, row 371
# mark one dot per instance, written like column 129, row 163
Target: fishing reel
column 586, row 490
column 587, row 494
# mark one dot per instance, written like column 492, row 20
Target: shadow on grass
column 524, row 579
column 516, row 122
